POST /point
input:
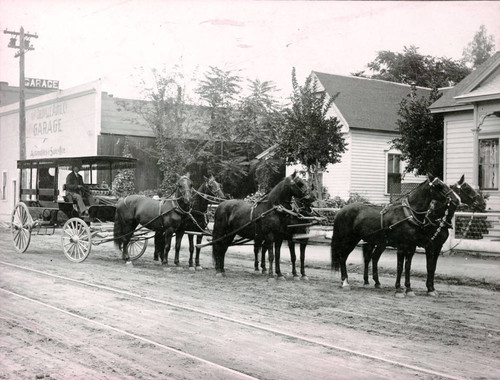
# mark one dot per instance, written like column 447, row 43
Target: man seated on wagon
column 75, row 189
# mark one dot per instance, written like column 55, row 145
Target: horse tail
column 118, row 228
column 334, row 253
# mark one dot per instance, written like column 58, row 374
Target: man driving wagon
column 76, row 190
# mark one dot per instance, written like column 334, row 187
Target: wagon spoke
column 71, row 250
column 78, row 251
column 76, row 240
column 16, row 236
column 21, row 240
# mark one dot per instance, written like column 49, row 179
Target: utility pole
column 23, row 46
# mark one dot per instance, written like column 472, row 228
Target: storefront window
column 393, row 173
column 488, row 164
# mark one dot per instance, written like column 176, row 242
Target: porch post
column 475, row 151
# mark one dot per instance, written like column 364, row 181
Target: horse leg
column 303, row 245
column 218, row 253
column 277, row 249
column 168, row 241
column 178, row 240
column 367, row 257
column 379, row 249
column 199, row 238
column 293, row 257
column 408, row 260
column 270, row 249
column 340, row 250
column 159, row 244
column 257, row 246
column 401, row 260
column 432, row 255
column 191, row 251
column 126, row 240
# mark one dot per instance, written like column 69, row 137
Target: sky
column 121, row 41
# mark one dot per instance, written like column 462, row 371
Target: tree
column 240, row 127
column 411, row 67
column 480, row 48
column 421, row 140
column 124, row 181
column 308, row 135
column 166, row 113
column 258, row 116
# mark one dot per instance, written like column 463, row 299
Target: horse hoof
column 304, row 278
column 432, row 293
column 346, row 287
column 219, row 274
column 366, row 285
column 191, row 269
column 128, row 262
column 281, row 278
column 410, row 293
column 377, row 286
column 296, row 278
column 399, row 294
column 199, row 267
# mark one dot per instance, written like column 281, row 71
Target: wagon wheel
column 136, row 248
column 20, row 227
column 76, row 240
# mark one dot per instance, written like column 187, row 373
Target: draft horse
column 437, row 234
column 210, row 191
column 164, row 216
column 298, row 221
column 262, row 222
column 403, row 225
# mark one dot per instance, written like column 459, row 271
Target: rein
column 208, row 197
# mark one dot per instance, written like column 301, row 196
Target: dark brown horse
column 262, row 222
column 297, row 224
column 403, row 225
column 163, row 216
column 438, row 234
column 209, row 192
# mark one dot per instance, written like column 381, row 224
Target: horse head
column 441, row 192
column 184, row 187
column 214, row 188
column 298, row 187
column 468, row 195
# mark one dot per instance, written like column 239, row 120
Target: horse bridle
column 304, row 193
column 467, row 193
column 446, row 194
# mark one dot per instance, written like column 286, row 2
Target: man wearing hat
column 75, row 187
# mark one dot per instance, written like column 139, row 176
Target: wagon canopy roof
column 96, row 162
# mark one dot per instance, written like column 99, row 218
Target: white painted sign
column 41, row 83
column 62, row 128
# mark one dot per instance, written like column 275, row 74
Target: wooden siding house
column 368, row 111
column 471, row 112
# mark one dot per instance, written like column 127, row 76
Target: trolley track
column 237, row 321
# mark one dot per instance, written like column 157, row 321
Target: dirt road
column 101, row 319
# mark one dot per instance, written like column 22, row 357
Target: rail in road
column 197, row 311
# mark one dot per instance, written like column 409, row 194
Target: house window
column 4, row 186
column 393, row 173
column 488, row 164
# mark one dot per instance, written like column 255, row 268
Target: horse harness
column 411, row 216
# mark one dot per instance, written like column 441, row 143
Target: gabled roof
column 367, row 103
column 482, row 83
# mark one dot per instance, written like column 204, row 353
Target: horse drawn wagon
column 46, row 206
